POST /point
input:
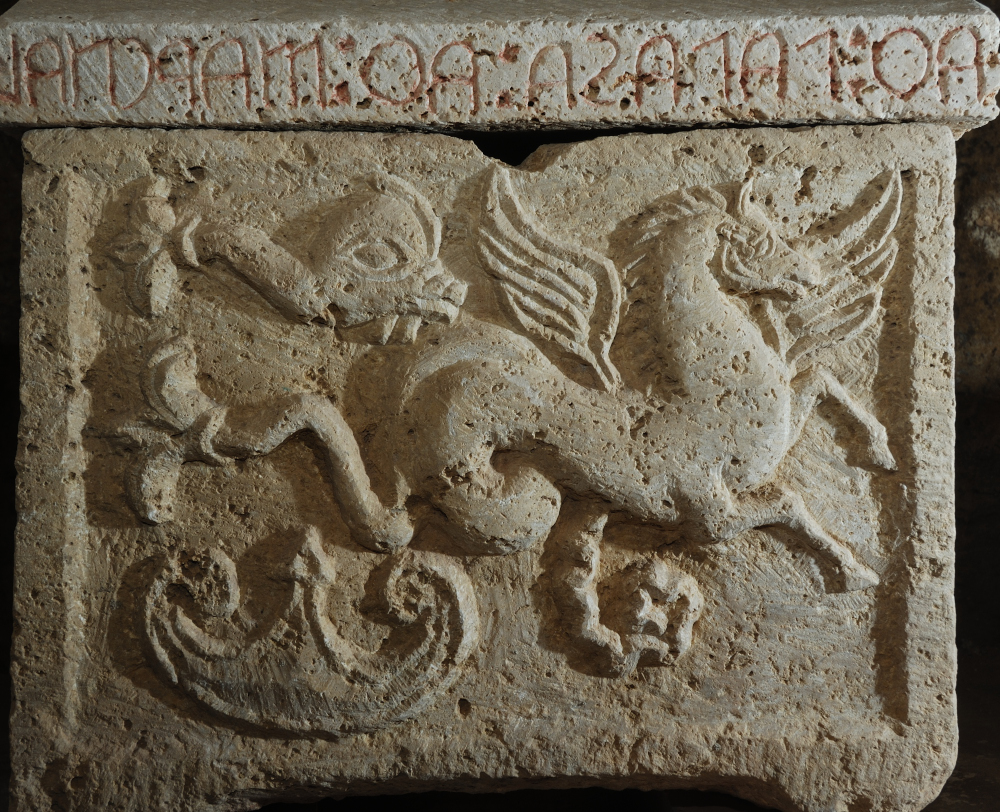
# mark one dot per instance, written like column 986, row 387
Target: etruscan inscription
column 511, row 66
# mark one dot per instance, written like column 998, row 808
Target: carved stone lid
column 439, row 64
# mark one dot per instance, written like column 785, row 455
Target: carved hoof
column 879, row 450
column 858, row 577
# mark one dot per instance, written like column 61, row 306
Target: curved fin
column 298, row 674
column 170, row 385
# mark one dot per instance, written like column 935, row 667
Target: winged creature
column 668, row 390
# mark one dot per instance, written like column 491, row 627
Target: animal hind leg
column 502, row 508
column 816, row 384
column 784, row 508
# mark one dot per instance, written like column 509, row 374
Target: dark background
column 975, row 784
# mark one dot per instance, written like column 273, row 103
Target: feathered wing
column 849, row 303
column 561, row 294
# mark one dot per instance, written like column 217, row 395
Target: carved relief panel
column 382, row 465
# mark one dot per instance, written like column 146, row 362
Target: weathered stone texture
column 438, row 64
column 362, row 463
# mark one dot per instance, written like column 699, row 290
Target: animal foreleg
column 817, row 384
column 577, row 541
column 260, row 430
column 786, row 509
column 285, row 282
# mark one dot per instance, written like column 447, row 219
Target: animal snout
column 442, row 294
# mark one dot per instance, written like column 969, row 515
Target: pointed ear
column 748, row 211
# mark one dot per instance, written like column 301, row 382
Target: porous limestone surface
column 362, row 463
column 473, row 64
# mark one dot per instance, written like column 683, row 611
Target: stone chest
column 361, row 462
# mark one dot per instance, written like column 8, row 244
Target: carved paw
column 654, row 609
column 151, row 485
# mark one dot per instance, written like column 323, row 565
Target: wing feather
column 844, row 327
column 551, row 266
column 551, row 324
column 867, row 253
column 516, row 270
column 539, row 262
column 564, row 296
column 849, row 288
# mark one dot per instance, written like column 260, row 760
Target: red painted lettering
column 440, row 79
column 319, row 60
column 265, row 55
column 647, row 74
column 509, row 53
column 131, row 45
column 34, row 74
column 74, row 63
column 878, row 56
column 14, row 97
column 948, row 64
column 592, row 87
column 243, row 74
column 779, row 70
column 168, row 56
column 380, row 68
column 536, row 85
column 832, row 62
column 727, row 69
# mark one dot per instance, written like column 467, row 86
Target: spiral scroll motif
column 329, row 686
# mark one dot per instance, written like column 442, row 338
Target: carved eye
column 378, row 256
